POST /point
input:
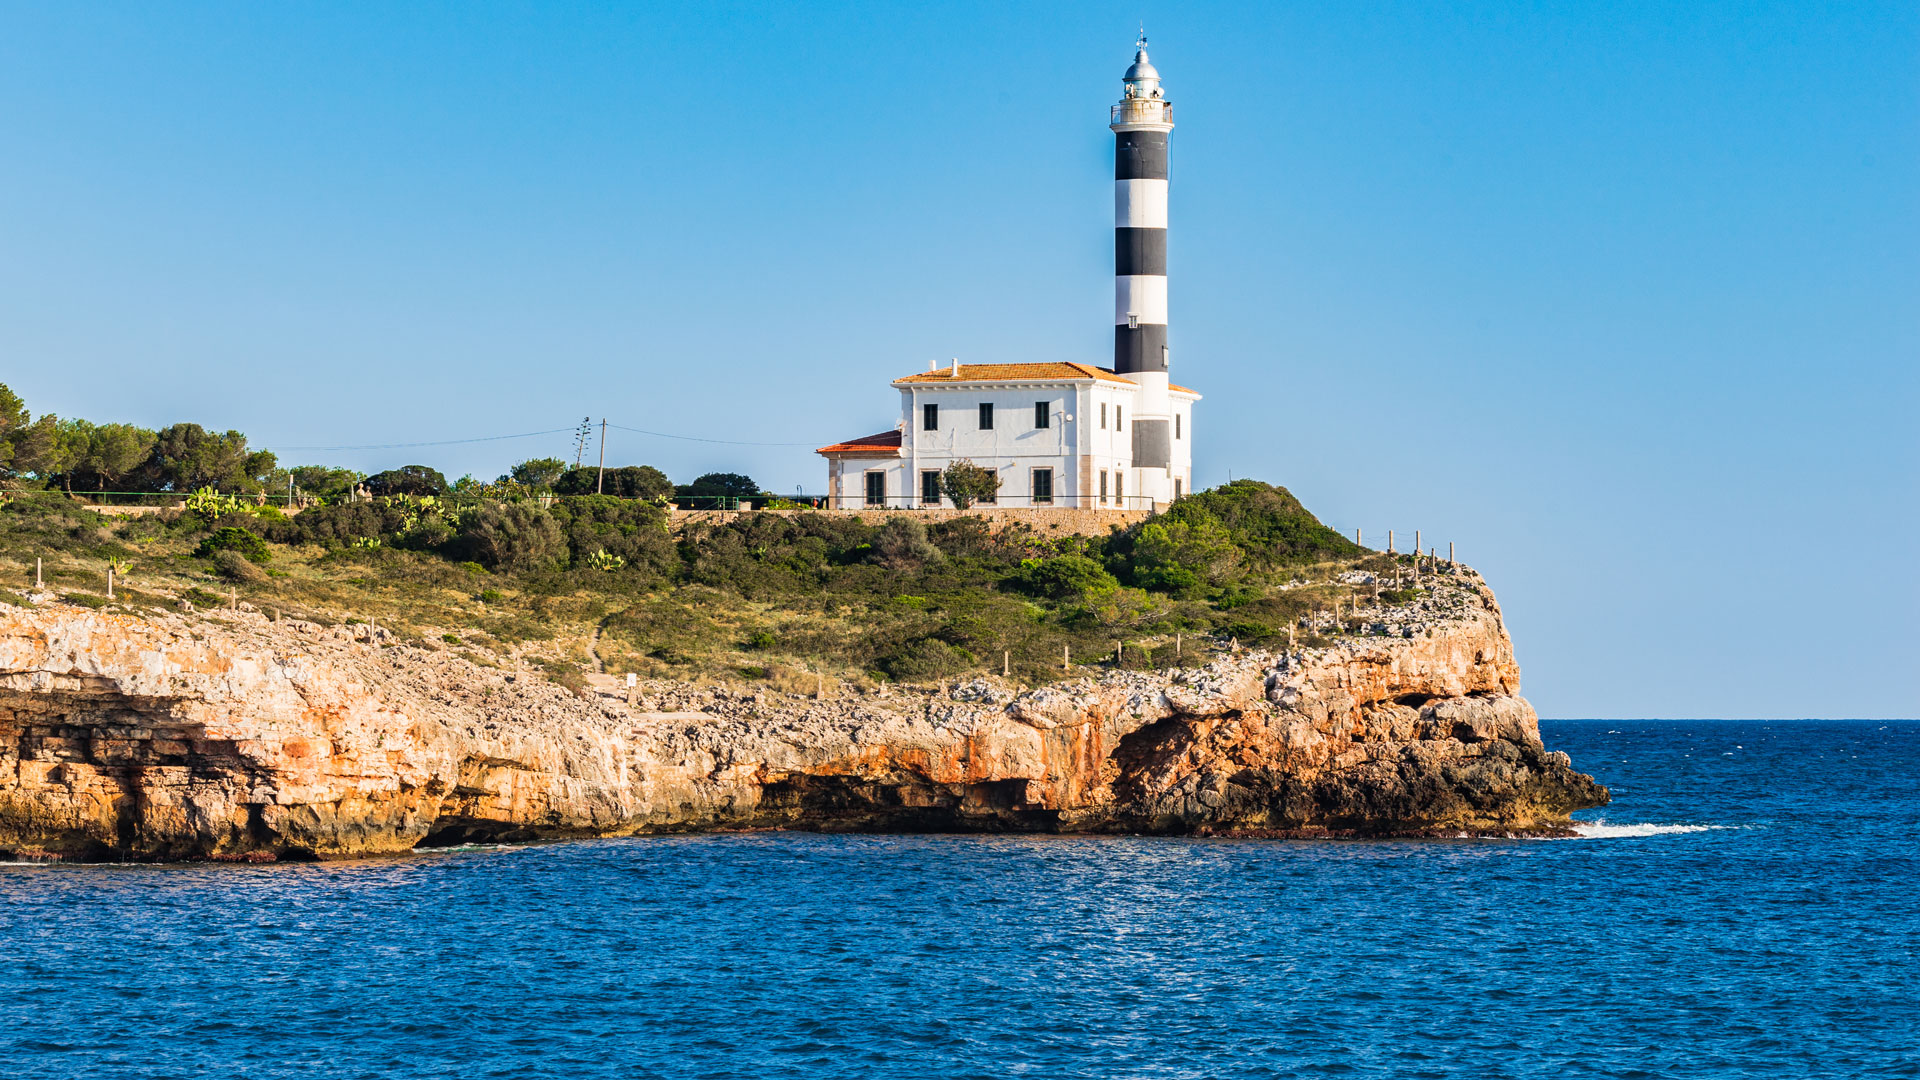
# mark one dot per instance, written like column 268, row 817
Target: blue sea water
column 1746, row 908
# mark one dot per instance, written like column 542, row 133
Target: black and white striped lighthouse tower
column 1141, row 122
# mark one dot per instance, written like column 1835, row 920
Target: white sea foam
column 1606, row 830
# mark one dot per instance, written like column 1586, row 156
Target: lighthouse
column 1142, row 121
column 1059, row 434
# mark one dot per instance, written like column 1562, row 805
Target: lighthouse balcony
column 1143, row 110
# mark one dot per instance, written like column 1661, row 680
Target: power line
column 443, row 442
column 549, row 431
column 691, row 438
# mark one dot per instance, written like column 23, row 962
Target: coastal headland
column 233, row 735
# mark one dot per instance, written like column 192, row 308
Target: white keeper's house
column 1057, row 433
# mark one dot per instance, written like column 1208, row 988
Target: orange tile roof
column 866, row 444
column 1052, row 371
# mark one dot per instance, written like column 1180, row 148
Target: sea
column 1748, row 906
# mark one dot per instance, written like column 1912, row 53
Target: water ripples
column 1648, row 948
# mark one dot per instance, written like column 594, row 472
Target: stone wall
column 1056, row 520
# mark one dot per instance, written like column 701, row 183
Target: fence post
column 1449, row 553
column 1006, row 662
column 1176, row 645
column 1116, row 654
column 1066, row 657
column 1356, row 539
column 233, row 599
column 38, row 583
column 109, row 582
column 1389, row 541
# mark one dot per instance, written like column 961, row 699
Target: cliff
column 230, row 735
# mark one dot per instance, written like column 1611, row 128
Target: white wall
column 1014, row 447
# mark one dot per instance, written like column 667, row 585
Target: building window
column 1120, row 488
column 1116, row 418
column 1042, row 415
column 1043, row 485
column 1176, row 489
column 930, row 487
column 994, row 495
column 1103, row 416
column 1176, row 425
column 876, row 488
column 986, row 416
column 929, row 418
column 1103, row 485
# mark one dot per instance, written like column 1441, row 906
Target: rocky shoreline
column 231, row 736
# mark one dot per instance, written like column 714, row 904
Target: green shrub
column 966, row 483
column 408, row 480
column 88, row 600
column 237, row 568
column 901, row 543
column 761, row 640
column 239, row 541
column 512, row 536
column 626, row 482
column 927, row 658
column 199, row 597
column 490, row 596
column 1266, row 523
column 1064, row 577
column 1179, row 557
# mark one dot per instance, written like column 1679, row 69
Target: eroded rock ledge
column 231, row 736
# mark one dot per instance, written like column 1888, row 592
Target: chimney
column 956, row 367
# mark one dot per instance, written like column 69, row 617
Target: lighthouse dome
column 1142, row 79
column 1142, row 68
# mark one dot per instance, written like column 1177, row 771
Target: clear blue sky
column 1622, row 299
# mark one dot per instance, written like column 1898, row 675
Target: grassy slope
column 764, row 599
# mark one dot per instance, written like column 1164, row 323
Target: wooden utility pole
column 600, row 481
column 1389, row 541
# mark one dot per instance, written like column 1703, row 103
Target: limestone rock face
column 232, row 736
